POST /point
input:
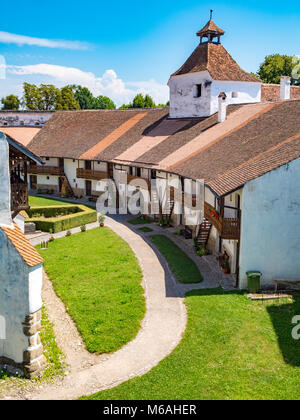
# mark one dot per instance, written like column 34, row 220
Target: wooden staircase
column 168, row 210
column 66, row 188
column 203, row 234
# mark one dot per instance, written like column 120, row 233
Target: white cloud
column 8, row 38
column 109, row 84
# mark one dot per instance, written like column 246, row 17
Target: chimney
column 222, row 107
column 5, row 209
column 285, row 87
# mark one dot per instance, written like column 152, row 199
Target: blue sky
column 119, row 48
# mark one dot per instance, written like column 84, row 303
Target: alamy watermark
column 2, row 328
column 159, row 196
column 296, row 67
column 2, row 67
column 296, row 329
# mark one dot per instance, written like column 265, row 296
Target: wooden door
column 33, row 182
column 88, row 188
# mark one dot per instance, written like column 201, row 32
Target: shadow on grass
column 281, row 317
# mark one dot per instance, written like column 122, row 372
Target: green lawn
column 97, row 276
column 145, row 229
column 43, row 202
column 184, row 269
column 233, row 348
column 140, row 220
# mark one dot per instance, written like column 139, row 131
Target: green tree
column 84, row 97
column 148, row 102
column 277, row 65
column 11, row 102
column 104, row 102
column 32, row 97
column 49, row 96
column 138, row 101
column 66, row 100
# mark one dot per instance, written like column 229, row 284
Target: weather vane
column 211, row 14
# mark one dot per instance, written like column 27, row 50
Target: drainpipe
column 285, row 88
column 222, row 107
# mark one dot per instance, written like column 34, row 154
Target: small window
column 138, row 172
column 48, row 177
column 5, row 123
column 73, row 160
column 197, row 91
column 234, row 94
column 47, row 158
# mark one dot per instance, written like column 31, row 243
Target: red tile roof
column 23, row 246
column 197, row 148
column 217, row 61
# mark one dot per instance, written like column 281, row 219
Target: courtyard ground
column 233, row 348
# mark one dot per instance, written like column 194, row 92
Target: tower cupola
column 210, row 31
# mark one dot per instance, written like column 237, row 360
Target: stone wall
column 24, row 118
column 271, row 92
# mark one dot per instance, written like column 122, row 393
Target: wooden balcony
column 19, row 197
column 228, row 228
column 90, row 174
column 45, row 170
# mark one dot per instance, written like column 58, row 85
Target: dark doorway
column 88, row 164
column 88, row 188
column 61, row 163
column 33, row 182
column 110, row 170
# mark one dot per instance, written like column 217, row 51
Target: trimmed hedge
column 53, row 211
column 71, row 216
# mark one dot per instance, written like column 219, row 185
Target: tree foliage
column 277, row 65
column 87, row 100
column 11, row 102
column 140, row 101
column 48, row 98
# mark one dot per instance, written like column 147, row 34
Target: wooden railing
column 90, row 174
column 19, row 197
column 45, row 170
column 228, row 228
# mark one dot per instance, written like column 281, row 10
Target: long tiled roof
column 217, row 61
column 29, row 254
column 23, row 135
column 198, row 148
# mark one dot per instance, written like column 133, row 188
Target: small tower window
column 234, row 94
column 197, row 91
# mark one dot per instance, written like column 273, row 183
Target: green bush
column 70, row 217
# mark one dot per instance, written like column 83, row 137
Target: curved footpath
column 161, row 331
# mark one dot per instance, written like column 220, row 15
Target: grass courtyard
column 43, row 202
column 98, row 278
column 184, row 269
column 232, row 349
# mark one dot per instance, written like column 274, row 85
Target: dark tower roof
column 210, row 29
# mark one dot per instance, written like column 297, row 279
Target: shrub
column 70, row 217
